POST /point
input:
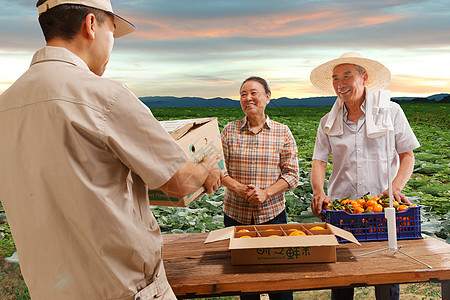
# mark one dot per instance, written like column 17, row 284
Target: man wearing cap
column 351, row 133
column 78, row 154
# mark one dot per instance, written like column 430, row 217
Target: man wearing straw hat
column 78, row 154
column 354, row 133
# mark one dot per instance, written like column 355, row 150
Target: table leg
column 382, row 291
column 445, row 289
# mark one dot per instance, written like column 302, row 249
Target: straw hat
column 123, row 27
column 378, row 75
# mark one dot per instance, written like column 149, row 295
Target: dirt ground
column 418, row 291
column 12, row 287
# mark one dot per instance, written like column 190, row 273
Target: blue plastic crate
column 373, row 226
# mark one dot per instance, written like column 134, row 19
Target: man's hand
column 255, row 195
column 396, row 194
column 192, row 176
column 317, row 203
column 214, row 179
column 318, row 171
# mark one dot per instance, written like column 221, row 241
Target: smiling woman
column 261, row 159
column 255, row 95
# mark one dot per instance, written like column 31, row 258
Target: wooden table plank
column 195, row 269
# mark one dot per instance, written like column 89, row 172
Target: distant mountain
column 303, row 102
column 437, row 98
column 169, row 101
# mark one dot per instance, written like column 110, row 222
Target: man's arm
column 192, row 176
column 405, row 170
column 318, row 172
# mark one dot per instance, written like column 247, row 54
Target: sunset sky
column 206, row 48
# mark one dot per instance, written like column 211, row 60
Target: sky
column 206, row 48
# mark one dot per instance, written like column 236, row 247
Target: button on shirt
column 77, row 153
column 359, row 162
column 259, row 158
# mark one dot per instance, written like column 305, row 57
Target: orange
column 270, row 229
column 402, row 207
column 243, row 230
column 377, row 208
column 327, row 206
column 273, row 235
column 371, row 202
column 317, row 228
column 296, row 233
column 361, row 202
column 358, row 210
column 355, row 205
column 245, row 236
column 412, row 204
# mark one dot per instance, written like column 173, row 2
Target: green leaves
column 429, row 185
column 203, row 215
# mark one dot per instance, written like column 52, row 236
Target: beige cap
column 379, row 76
column 123, row 27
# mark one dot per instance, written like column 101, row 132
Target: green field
column 429, row 185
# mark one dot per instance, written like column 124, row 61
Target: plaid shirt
column 261, row 159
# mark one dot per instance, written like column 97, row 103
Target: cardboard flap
column 220, row 235
column 284, row 241
column 343, row 234
column 178, row 128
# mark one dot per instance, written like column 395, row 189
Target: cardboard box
column 315, row 247
column 198, row 138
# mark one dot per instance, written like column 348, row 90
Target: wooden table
column 195, row 269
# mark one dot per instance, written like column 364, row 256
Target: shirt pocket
column 376, row 149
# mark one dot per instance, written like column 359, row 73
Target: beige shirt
column 78, row 154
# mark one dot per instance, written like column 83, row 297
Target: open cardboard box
column 198, row 138
column 316, row 246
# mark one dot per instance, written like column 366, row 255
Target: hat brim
column 379, row 76
column 123, row 27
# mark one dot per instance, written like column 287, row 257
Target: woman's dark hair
column 262, row 81
column 65, row 20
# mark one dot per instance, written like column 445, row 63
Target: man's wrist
column 318, row 193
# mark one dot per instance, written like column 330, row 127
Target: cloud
column 417, row 85
column 206, row 48
column 286, row 23
column 221, row 81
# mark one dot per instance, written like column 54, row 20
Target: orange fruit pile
column 366, row 204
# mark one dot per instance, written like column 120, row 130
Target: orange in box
column 262, row 248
